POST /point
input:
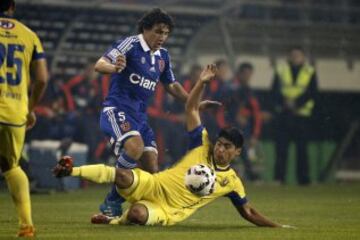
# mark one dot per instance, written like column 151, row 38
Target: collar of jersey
column 146, row 47
column 220, row 169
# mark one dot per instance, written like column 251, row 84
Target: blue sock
column 124, row 161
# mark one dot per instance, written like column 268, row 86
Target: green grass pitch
column 319, row 212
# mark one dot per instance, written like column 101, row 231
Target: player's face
column 296, row 57
column 156, row 36
column 225, row 151
column 245, row 76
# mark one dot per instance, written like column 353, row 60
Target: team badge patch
column 224, row 182
column 143, row 60
column 125, row 126
column 161, row 65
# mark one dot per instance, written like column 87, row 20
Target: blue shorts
column 121, row 123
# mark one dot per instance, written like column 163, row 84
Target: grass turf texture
column 319, row 212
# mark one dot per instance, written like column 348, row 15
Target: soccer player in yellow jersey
column 21, row 56
column 162, row 198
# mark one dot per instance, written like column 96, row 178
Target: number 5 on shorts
column 121, row 116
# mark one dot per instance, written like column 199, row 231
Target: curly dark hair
column 153, row 17
column 6, row 4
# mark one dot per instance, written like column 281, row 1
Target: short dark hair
column 6, row 4
column 232, row 134
column 245, row 65
column 153, row 17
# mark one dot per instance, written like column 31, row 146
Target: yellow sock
column 18, row 185
column 98, row 173
column 122, row 220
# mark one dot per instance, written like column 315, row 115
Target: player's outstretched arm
column 193, row 102
column 253, row 216
column 103, row 65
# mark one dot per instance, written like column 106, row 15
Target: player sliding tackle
column 162, row 198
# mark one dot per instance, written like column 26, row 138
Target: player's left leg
column 302, row 159
column 12, row 140
column 141, row 213
column 149, row 159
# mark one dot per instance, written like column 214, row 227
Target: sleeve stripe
column 236, row 199
column 37, row 56
column 124, row 45
column 195, row 137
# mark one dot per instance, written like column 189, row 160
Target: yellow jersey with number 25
column 19, row 46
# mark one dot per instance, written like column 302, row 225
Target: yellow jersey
column 172, row 183
column 19, row 46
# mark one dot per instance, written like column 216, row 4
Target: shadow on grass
column 191, row 227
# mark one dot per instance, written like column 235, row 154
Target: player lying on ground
column 162, row 198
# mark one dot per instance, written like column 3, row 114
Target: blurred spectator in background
column 217, row 90
column 84, row 94
column 192, row 77
column 71, row 109
column 243, row 111
column 294, row 92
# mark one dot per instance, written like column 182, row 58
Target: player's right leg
column 122, row 128
column 12, row 140
column 98, row 173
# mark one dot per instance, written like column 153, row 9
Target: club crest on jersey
column 224, row 182
column 6, row 24
column 125, row 126
column 161, row 65
column 143, row 60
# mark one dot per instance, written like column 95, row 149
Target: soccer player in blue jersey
column 162, row 198
column 136, row 64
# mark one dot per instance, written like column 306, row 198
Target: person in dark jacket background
column 294, row 92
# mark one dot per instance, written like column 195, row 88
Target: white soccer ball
column 200, row 180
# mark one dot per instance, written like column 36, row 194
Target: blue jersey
column 136, row 83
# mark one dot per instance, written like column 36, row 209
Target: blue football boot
column 111, row 206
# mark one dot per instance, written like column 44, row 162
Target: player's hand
column 208, row 73
column 120, row 63
column 209, row 104
column 31, row 120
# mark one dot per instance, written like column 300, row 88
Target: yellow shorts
column 147, row 190
column 11, row 144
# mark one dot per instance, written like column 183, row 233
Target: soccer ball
column 200, row 180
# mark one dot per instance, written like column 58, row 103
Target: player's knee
column 134, row 147
column 124, row 178
column 138, row 214
column 149, row 162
